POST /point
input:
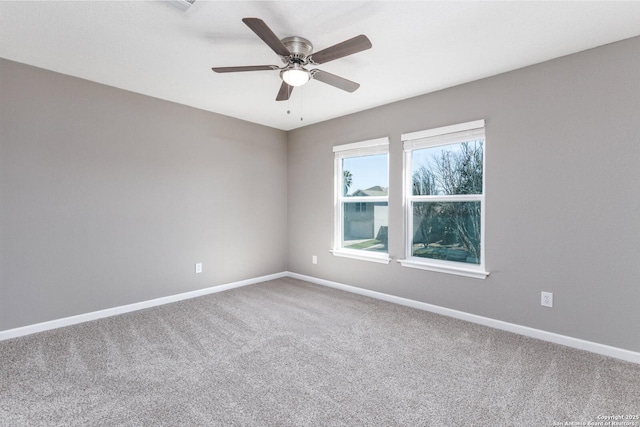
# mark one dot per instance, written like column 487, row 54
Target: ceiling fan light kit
column 296, row 76
column 296, row 53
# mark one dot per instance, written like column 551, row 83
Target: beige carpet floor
column 291, row 353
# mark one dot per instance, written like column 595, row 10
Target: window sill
column 460, row 271
column 362, row 255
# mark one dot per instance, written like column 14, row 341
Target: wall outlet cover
column 546, row 299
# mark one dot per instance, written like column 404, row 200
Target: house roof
column 372, row 191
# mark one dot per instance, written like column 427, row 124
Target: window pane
column 448, row 169
column 365, row 176
column 447, row 231
column 365, row 226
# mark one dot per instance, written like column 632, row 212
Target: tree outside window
column 448, row 230
column 444, row 199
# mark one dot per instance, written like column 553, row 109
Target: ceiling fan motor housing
column 298, row 46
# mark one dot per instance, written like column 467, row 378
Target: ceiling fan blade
column 347, row 47
column 336, row 81
column 285, row 92
column 244, row 68
column 264, row 32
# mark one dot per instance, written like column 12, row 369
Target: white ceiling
column 155, row 49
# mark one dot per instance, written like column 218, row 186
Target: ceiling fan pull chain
column 301, row 97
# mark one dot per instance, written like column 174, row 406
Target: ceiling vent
column 182, row 5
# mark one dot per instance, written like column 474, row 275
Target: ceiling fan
column 297, row 53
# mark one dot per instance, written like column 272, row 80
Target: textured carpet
column 290, row 353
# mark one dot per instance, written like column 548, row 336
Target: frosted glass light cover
column 295, row 77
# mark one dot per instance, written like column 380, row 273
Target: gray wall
column 109, row 198
column 563, row 212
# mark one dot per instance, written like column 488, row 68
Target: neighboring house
column 365, row 220
column 371, row 192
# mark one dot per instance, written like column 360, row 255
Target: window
column 361, row 214
column 444, row 199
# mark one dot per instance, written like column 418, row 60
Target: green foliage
column 347, row 179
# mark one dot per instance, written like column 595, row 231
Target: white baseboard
column 94, row 315
column 605, row 350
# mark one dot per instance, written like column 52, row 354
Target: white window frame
column 355, row 149
column 445, row 135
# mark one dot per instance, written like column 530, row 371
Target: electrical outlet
column 198, row 268
column 314, row 259
column 546, row 299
